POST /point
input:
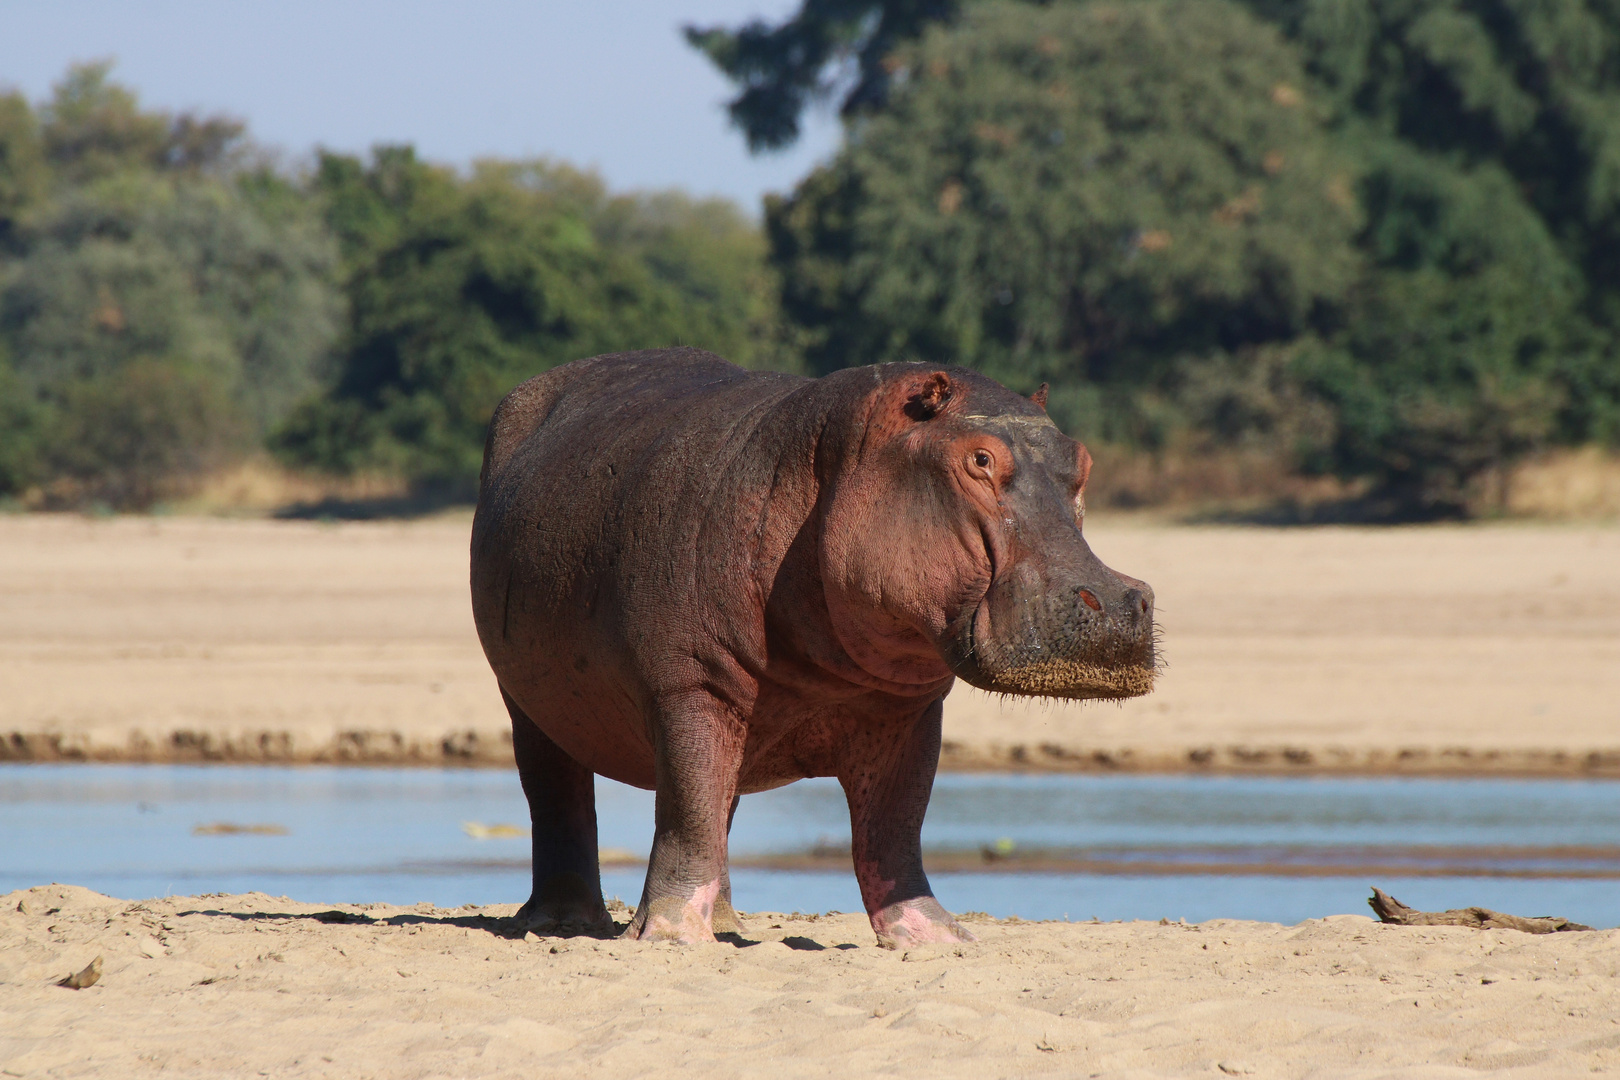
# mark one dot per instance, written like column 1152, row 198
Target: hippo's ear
column 930, row 399
column 1039, row 396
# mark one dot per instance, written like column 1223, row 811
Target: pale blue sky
column 603, row 83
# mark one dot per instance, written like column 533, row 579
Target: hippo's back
column 625, row 387
column 602, row 481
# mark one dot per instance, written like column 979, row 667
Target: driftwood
column 81, row 979
column 1390, row 910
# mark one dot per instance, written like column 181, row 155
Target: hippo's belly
column 593, row 722
column 599, row 726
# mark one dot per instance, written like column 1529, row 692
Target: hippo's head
column 952, row 540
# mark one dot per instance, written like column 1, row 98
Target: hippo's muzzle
column 1072, row 632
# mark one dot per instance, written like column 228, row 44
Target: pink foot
column 917, row 922
column 670, row 918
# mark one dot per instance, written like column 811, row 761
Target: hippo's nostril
column 1091, row 601
column 1140, row 601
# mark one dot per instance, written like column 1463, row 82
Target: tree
column 1080, row 194
column 827, row 46
column 22, row 163
column 1526, row 94
column 1448, row 367
column 93, row 128
column 160, row 308
column 1469, row 312
column 461, row 287
column 714, row 258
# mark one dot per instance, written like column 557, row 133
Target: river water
column 1039, row 847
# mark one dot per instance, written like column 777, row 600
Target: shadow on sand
column 508, row 927
column 502, row 927
column 1373, row 509
column 416, row 503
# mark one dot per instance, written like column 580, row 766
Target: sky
column 605, row 84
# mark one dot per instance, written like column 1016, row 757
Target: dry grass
column 1560, row 485
column 260, row 488
column 1579, row 484
column 1204, row 481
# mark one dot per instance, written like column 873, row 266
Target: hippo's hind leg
column 562, row 813
column 887, row 776
column 725, row 919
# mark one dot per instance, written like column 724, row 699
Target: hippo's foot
column 674, row 918
column 726, row 919
column 917, row 922
column 565, row 901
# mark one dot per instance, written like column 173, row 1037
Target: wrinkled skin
column 707, row 582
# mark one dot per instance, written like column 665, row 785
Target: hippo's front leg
column 887, row 777
column 699, row 750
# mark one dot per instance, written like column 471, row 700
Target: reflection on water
column 1037, row 847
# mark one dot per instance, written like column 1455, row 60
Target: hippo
column 708, row 581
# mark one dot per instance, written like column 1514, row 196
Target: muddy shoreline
column 492, row 748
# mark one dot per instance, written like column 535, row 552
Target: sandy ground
column 1486, row 649
column 242, row 985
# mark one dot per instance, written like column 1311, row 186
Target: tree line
column 1366, row 239
column 1376, row 238
column 172, row 298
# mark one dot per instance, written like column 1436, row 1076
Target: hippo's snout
column 1138, row 599
column 1091, row 638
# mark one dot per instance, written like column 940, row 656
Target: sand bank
column 237, row 985
column 1436, row 650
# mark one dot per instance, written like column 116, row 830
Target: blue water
column 358, row 835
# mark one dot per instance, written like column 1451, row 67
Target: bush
column 1079, row 192
column 1449, row 365
column 460, row 288
column 148, row 272
column 1399, row 220
column 138, row 434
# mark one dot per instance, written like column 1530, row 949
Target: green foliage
column 147, row 266
column 22, row 162
column 1450, row 364
column 1370, row 238
column 1379, row 237
column 94, row 128
column 1472, row 314
column 125, row 437
column 783, row 69
column 1529, row 85
column 714, row 258
column 166, row 302
column 461, row 287
column 1526, row 92
column 156, row 313
column 1075, row 193
column 21, row 421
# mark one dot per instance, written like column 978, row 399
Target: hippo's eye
column 981, row 459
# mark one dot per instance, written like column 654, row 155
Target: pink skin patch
column 705, row 896
column 917, row 922
column 686, row 922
